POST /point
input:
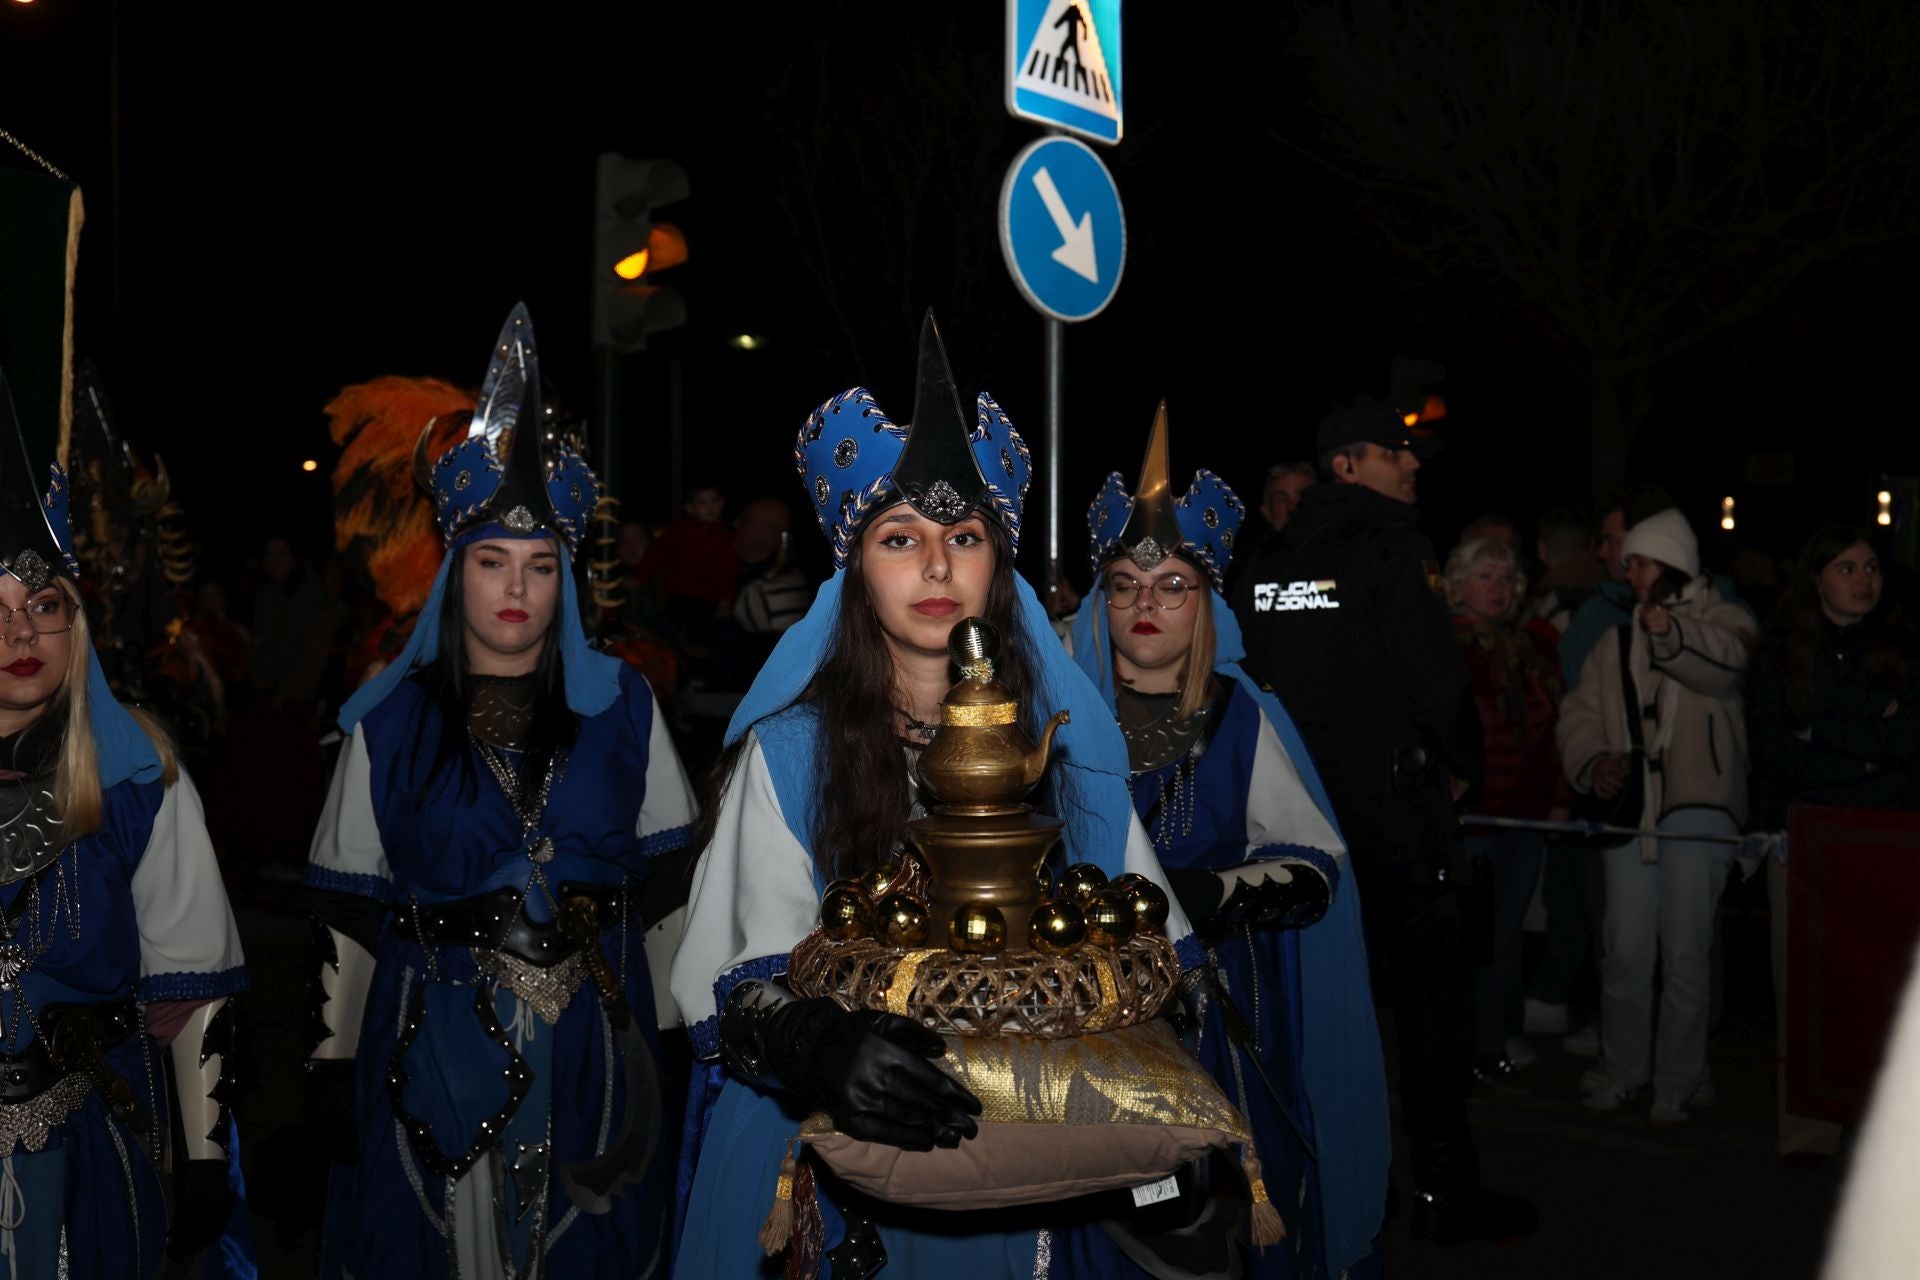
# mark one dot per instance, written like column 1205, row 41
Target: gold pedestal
column 993, row 861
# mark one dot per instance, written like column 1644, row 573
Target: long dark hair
column 1893, row 643
column 449, row 687
column 864, row 799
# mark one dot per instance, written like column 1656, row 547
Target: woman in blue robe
column 1248, row 840
column 117, row 945
column 924, row 520
column 488, row 1042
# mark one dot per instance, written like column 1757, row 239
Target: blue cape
column 1346, row 1078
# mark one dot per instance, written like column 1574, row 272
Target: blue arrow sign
column 1063, row 65
column 1061, row 229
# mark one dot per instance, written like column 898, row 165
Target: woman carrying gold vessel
column 818, row 784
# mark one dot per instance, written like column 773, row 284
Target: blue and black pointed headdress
column 36, row 545
column 856, row 461
column 507, row 479
column 521, row 480
column 36, row 539
column 1152, row 524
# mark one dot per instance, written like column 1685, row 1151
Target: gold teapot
column 982, row 843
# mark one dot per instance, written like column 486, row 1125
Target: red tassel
column 809, row 1230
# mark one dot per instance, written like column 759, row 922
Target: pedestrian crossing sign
column 1063, row 65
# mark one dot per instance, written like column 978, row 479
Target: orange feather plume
column 383, row 523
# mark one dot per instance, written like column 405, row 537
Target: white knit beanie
column 1666, row 537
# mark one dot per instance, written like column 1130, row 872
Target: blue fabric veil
column 593, row 679
column 1346, row 1077
column 123, row 748
column 1091, row 784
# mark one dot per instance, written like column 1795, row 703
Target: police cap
column 1375, row 422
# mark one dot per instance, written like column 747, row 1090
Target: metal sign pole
column 1056, row 438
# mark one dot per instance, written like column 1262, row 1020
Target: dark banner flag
column 39, row 245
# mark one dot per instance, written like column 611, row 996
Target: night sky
column 308, row 196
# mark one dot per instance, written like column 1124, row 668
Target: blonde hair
column 1465, row 561
column 77, row 795
column 1196, row 677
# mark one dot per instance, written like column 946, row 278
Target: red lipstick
column 936, row 606
column 24, row 667
column 512, row 615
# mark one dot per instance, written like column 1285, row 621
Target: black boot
column 1449, row 1204
column 1459, row 1214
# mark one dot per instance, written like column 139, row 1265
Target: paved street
column 1619, row 1197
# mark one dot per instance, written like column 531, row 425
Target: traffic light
column 630, row 248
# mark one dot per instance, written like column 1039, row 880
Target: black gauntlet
column 872, row 1072
column 1300, row 900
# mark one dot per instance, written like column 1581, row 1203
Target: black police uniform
column 1343, row 616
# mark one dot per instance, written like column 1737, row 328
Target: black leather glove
column 872, row 1072
column 201, row 1205
column 327, row 1107
column 1199, row 893
column 1270, row 904
column 1299, row 901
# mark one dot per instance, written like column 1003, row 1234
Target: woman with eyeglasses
column 117, row 946
column 1247, row 838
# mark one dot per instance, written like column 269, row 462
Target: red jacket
column 692, row 559
column 1515, row 673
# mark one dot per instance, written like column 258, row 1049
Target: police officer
column 1346, row 618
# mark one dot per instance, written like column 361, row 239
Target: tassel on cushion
column 809, row 1230
column 1267, row 1227
column 778, row 1228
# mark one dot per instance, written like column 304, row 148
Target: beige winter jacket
column 1688, row 684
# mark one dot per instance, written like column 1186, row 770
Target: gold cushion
column 1059, row 1118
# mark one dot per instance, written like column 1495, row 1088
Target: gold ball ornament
column 1109, row 918
column 1080, row 880
column 1149, row 903
column 1044, row 879
column 1124, row 882
column 1058, row 927
column 876, row 879
column 846, row 912
column 977, row 928
column 900, row 920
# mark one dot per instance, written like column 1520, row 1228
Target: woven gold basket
column 1016, row 993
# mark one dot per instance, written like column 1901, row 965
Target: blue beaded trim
column 706, row 1032
column 191, row 986
column 366, row 886
column 667, row 841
